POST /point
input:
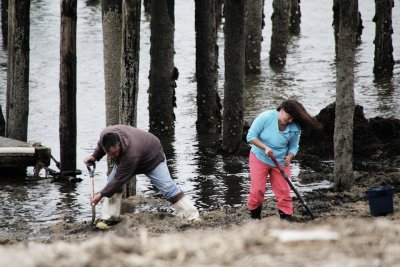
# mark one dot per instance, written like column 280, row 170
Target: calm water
column 309, row 76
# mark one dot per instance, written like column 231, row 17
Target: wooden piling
column 68, row 85
column 17, row 108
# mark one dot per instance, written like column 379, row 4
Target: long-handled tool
column 91, row 173
column 271, row 155
column 58, row 165
column 64, row 172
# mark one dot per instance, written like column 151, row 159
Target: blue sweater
column 265, row 128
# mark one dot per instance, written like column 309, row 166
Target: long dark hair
column 299, row 114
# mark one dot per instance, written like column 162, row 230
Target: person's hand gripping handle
column 271, row 155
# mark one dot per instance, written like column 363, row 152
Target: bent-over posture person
column 276, row 130
column 135, row 151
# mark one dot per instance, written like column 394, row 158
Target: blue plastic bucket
column 380, row 200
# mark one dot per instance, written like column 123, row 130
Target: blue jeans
column 161, row 179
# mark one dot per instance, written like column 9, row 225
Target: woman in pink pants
column 277, row 131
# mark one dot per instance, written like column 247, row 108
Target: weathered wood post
column 209, row 116
column 68, row 85
column 2, row 123
column 17, row 109
column 344, row 110
column 295, row 17
column 112, row 26
column 162, row 72
column 130, row 70
column 336, row 20
column 280, row 33
column 219, row 7
column 4, row 21
column 130, row 62
column 253, row 29
column 383, row 61
column 147, row 5
column 234, row 76
column 111, row 11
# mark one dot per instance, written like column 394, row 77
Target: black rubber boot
column 285, row 216
column 256, row 213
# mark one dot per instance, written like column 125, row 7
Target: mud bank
column 328, row 241
column 343, row 234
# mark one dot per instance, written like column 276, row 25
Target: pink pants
column 259, row 172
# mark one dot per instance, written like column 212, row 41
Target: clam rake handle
column 271, row 155
column 91, row 173
column 91, row 186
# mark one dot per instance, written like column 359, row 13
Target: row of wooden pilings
column 121, row 26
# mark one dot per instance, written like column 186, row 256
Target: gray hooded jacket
column 140, row 153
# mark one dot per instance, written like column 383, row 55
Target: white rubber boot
column 112, row 208
column 186, row 210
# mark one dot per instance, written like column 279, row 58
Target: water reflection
column 68, row 206
column 12, row 199
column 25, row 204
column 233, row 188
column 389, row 102
column 90, row 3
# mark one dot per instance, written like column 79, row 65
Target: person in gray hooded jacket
column 135, row 151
